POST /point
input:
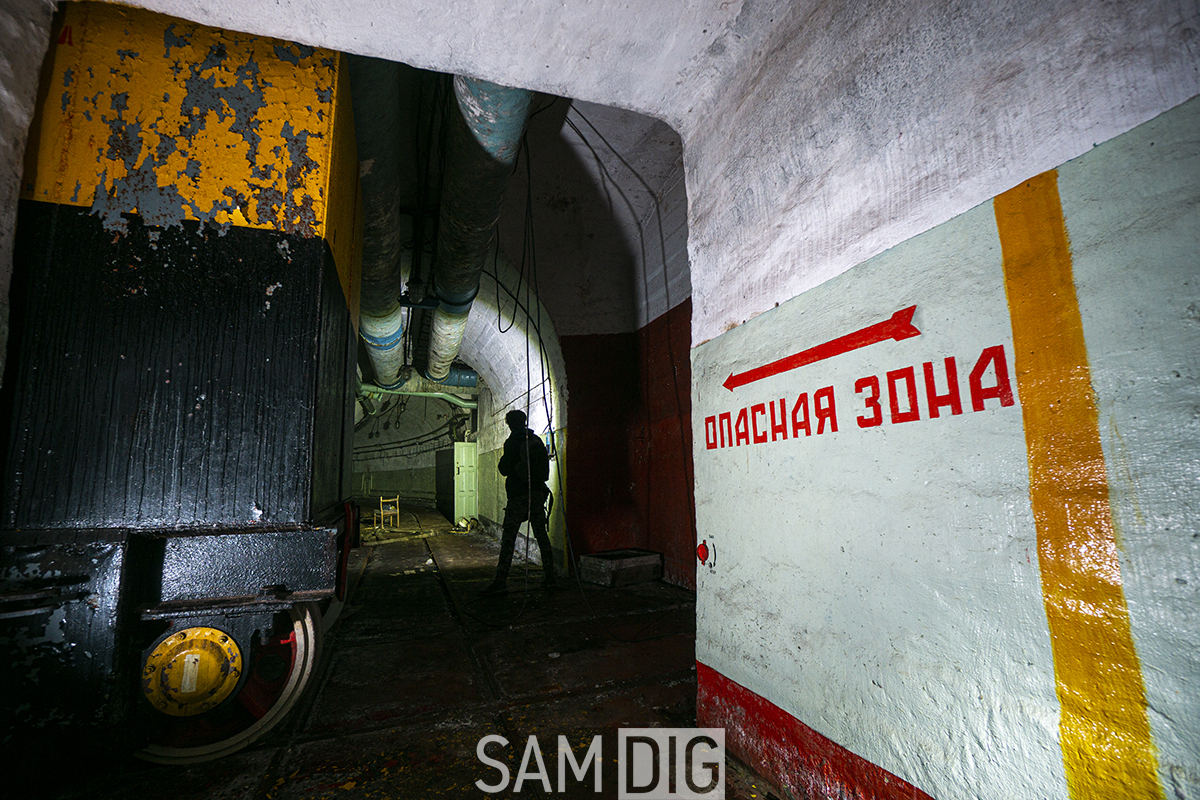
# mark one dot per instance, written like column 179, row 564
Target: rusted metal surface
column 59, row 618
column 175, row 121
column 184, row 362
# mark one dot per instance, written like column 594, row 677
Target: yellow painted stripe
column 1104, row 730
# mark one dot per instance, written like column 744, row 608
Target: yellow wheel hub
column 192, row 671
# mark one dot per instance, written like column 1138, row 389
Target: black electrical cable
column 546, row 107
column 391, row 449
column 529, row 255
column 518, row 305
column 425, row 442
column 526, row 258
column 422, row 160
column 418, row 439
column 641, row 238
column 529, row 258
column 499, row 313
column 666, row 285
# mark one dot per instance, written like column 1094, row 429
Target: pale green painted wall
column 492, row 498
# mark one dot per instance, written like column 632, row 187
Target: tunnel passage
column 581, row 320
column 188, row 293
column 825, row 141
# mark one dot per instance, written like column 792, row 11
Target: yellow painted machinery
column 179, row 398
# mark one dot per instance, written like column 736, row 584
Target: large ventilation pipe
column 375, row 86
column 482, row 142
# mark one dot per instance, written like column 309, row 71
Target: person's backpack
column 539, row 459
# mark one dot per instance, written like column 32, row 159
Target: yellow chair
column 389, row 509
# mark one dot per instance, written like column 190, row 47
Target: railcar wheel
column 278, row 673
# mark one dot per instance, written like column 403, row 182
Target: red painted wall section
column 629, row 448
column 787, row 752
column 602, row 457
column 667, row 499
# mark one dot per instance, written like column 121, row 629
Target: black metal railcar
column 179, row 389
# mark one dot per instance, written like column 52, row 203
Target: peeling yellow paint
column 1104, row 730
column 142, row 113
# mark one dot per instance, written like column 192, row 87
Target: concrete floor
column 414, row 522
column 417, row 668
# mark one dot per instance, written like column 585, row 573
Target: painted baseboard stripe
column 1104, row 730
column 787, row 752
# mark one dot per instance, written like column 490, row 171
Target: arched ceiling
column 816, row 135
column 515, row 348
column 573, row 222
column 659, row 57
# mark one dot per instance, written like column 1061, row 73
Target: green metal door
column 466, row 480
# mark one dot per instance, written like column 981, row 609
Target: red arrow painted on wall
column 898, row 327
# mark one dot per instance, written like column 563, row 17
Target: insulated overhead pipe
column 412, row 383
column 482, row 142
column 375, row 86
column 368, row 392
column 461, row 380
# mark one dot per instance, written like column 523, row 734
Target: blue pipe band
column 455, row 302
column 395, row 385
column 384, row 343
column 457, row 376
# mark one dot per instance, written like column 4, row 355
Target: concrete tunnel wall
column 815, row 138
column 610, row 227
column 500, row 356
column 994, row 524
column 518, row 377
column 612, row 274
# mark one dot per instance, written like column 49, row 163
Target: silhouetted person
column 525, row 466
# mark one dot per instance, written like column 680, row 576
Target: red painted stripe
column 787, row 752
column 898, row 327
